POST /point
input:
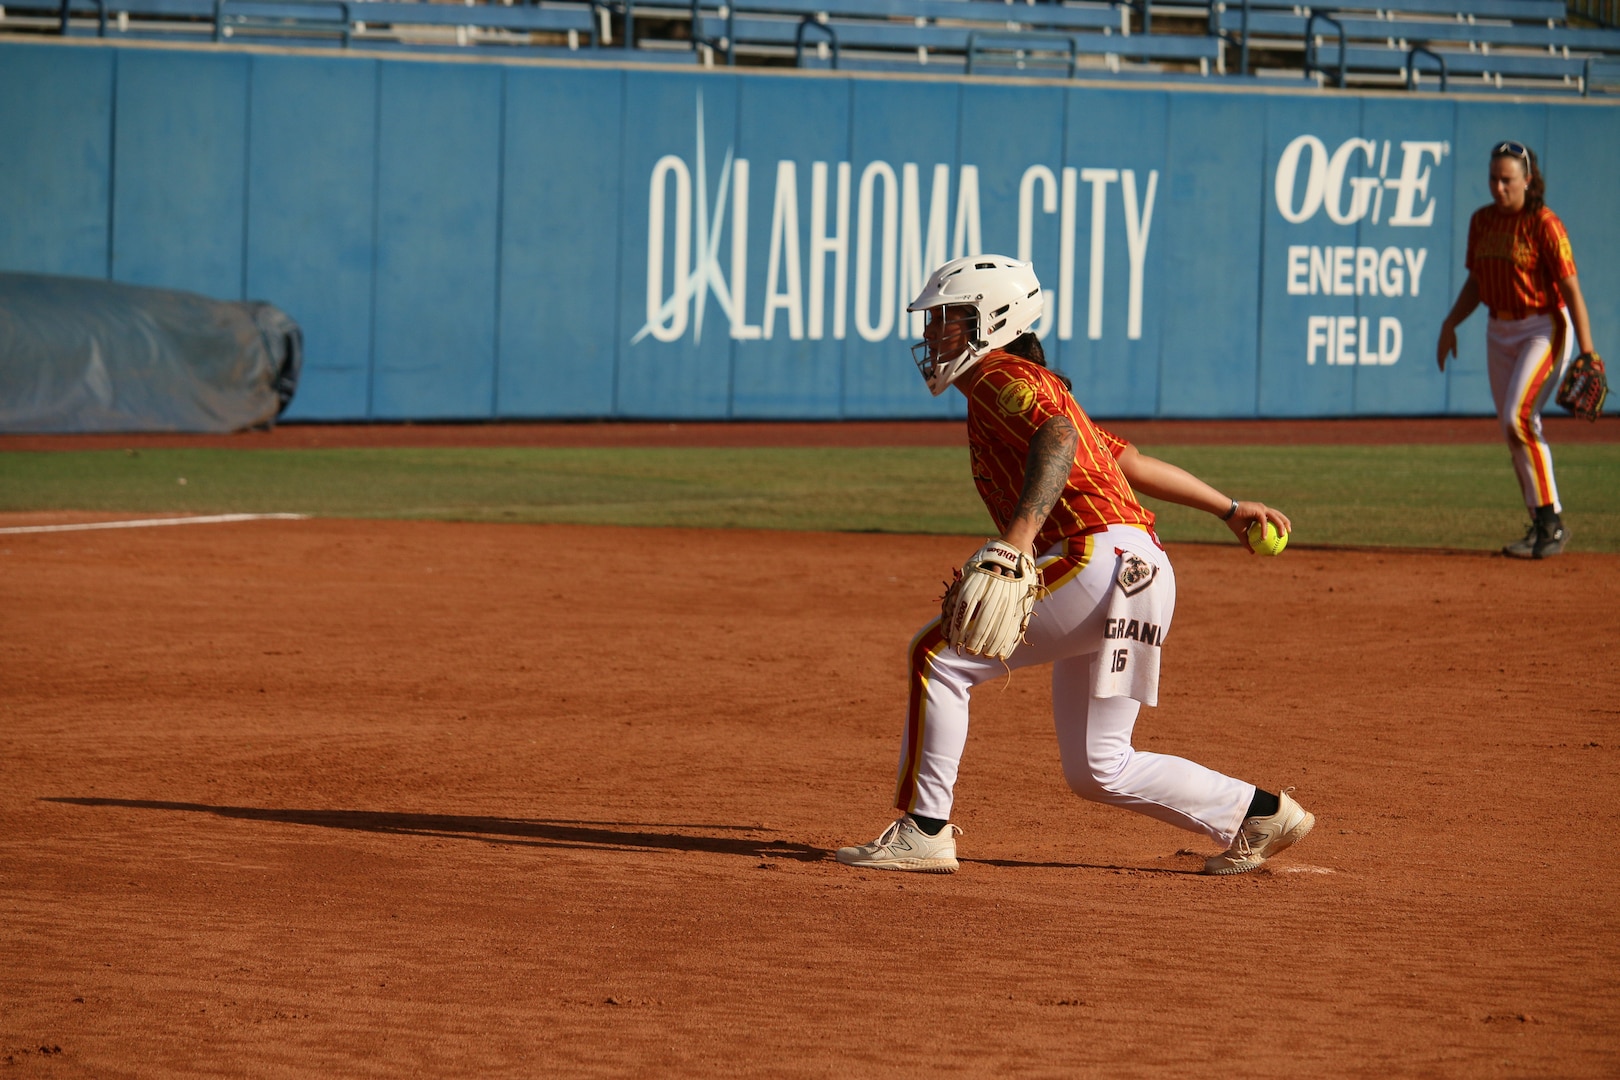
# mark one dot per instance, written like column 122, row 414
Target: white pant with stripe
column 1094, row 734
column 1527, row 359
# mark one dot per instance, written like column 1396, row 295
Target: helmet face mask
column 950, row 334
column 973, row 305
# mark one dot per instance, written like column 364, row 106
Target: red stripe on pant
column 1527, row 407
column 1060, row 570
column 926, row 644
column 931, row 642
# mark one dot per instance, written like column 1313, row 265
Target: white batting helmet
column 993, row 299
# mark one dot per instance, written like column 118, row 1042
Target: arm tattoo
column 1046, row 470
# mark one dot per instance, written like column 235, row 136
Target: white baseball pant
column 1527, row 359
column 1094, row 734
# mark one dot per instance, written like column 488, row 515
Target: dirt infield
column 1562, row 429
column 333, row 798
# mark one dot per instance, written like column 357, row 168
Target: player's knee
column 924, row 655
column 942, row 681
column 1097, row 777
column 949, row 668
column 1081, row 782
column 1521, row 430
column 932, row 664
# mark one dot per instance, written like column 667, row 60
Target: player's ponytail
column 1028, row 347
column 1535, row 188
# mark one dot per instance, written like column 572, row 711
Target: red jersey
column 1518, row 260
column 1008, row 400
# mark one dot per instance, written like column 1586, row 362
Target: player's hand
column 1250, row 512
column 1446, row 346
column 1022, row 538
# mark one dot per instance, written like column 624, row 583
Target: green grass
column 1405, row 496
column 1423, row 496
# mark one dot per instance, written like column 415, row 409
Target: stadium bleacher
column 531, row 29
column 1495, row 43
column 943, row 34
column 1422, row 45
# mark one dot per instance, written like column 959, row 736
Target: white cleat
column 903, row 846
column 1262, row 837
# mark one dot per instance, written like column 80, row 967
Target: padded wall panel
column 559, row 242
column 1297, row 377
column 1211, row 190
column 1014, row 137
column 789, row 362
column 55, row 160
column 312, row 163
column 675, row 326
column 1583, row 156
column 438, row 199
column 1115, row 140
column 1401, row 304
column 180, row 146
column 894, row 124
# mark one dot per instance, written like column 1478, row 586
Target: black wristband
column 1228, row 515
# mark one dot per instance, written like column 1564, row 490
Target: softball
column 1265, row 539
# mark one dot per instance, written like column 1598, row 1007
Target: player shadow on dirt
column 526, row 832
column 1027, row 864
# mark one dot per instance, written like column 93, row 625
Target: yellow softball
column 1265, row 539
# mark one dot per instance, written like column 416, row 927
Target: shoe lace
column 889, row 834
column 894, row 830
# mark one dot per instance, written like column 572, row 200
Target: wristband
column 1228, row 515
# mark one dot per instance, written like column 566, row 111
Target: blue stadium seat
column 945, row 35
column 1463, row 69
column 1497, row 43
column 1419, row 43
column 576, row 27
column 1290, row 27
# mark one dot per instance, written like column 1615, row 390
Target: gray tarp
column 77, row 354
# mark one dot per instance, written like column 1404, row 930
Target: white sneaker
column 903, row 846
column 1262, row 837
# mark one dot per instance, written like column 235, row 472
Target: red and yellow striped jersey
column 1518, row 260
column 1009, row 398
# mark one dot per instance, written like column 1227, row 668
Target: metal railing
column 1143, row 8
column 810, row 22
column 1214, row 9
column 1311, row 60
column 726, row 44
column 1412, row 70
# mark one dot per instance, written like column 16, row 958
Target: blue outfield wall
column 527, row 239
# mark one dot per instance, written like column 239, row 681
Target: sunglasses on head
column 1511, row 149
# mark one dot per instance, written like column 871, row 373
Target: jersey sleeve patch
column 1563, row 257
column 1016, row 398
column 1560, row 256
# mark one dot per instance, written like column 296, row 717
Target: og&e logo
column 1382, row 183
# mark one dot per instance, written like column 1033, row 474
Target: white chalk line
column 146, row 523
